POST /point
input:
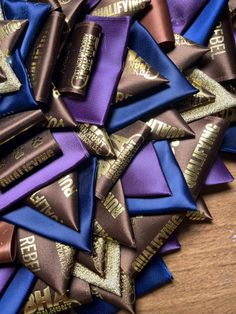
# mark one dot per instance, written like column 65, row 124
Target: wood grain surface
column 205, row 269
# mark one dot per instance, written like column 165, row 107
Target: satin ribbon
column 6, row 273
column 229, row 142
column 106, row 71
column 73, row 153
column 25, row 10
column 177, row 89
column 17, row 292
column 32, row 220
column 218, row 174
column 144, row 176
column 7, row 242
column 202, row 27
column 155, row 275
column 21, row 100
column 171, row 245
column 180, row 200
column 183, row 12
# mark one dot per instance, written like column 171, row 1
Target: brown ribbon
column 16, row 124
column 157, row 22
column 137, row 78
column 117, row 8
column 7, row 242
column 27, row 157
column 77, row 58
column 220, row 63
column 3, row 77
column 126, row 142
column 43, row 56
column 186, row 52
column 10, row 32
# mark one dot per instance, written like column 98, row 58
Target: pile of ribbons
column 112, row 117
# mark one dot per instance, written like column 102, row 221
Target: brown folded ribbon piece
column 186, row 52
column 202, row 213
column 54, row 3
column 157, row 22
column 96, row 140
column 78, row 58
column 27, row 157
column 3, row 77
column 58, row 200
column 120, row 8
column 42, row 59
column 220, row 63
column 196, row 156
column 51, row 261
column 137, row 78
column 7, row 242
column 126, row 142
column 96, row 260
column 112, row 218
column 10, row 33
column 16, row 124
column 56, row 112
column 43, row 299
column 72, row 10
column 224, row 100
column 169, row 125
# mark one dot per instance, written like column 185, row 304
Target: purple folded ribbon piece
column 183, row 12
column 105, row 75
column 170, row 246
column 218, row 174
column 144, row 176
column 73, row 153
column 6, row 273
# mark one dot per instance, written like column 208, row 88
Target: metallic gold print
column 196, row 216
column 181, row 41
column 66, row 256
column 99, row 246
column 111, row 281
column 224, row 100
column 12, row 84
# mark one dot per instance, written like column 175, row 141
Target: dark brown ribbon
column 51, row 261
column 157, row 22
column 10, row 33
column 137, row 78
column 77, row 58
column 112, row 218
column 117, row 8
column 63, row 207
column 126, row 142
column 31, row 154
column 169, row 125
column 16, row 124
column 43, row 56
column 3, row 77
column 220, row 63
column 7, row 242
column 186, row 53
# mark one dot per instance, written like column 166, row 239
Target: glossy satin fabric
column 17, row 292
column 218, row 174
column 6, row 273
column 144, row 176
column 171, row 245
column 155, row 275
column 180, row 200
column 93, row 107
column 73, row 153
column 7, row 242
column 25, row 10
column 229, row 142
column 23, row 99
column 202, row 27
column 183, row 12
column 32, row 220
column 177, row 89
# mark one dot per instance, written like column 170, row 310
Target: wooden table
column 205, row 269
